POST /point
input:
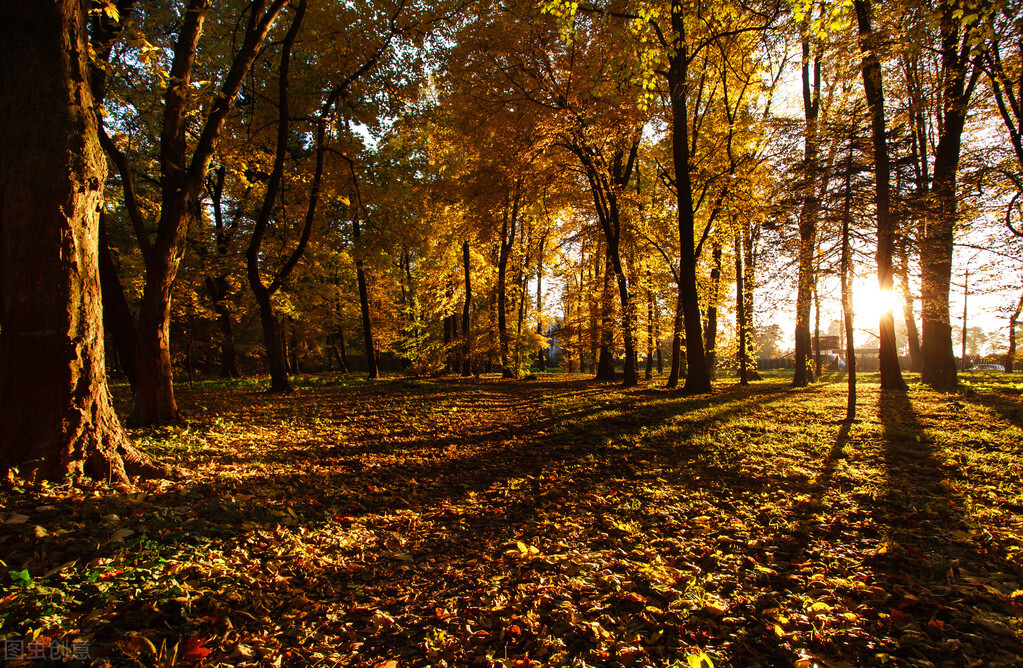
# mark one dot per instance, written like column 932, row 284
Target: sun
column 870, row 302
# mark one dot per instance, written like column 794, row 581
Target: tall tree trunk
column 873, row 87
column 606, row 365
column 272, row 341
column 677, row 342
column 711, row 330
column 336, row 342
column 154, row 388
column 217, row 286
column 56, row 415
column 372, row 368
column 630, row 377
column 657, row 340
column 649, row 374
column 740, row 314
column 697, row 376
column 607, row 181
column 746, row 232
column 845, row 270
column 541, row 354
column 1010, row 357
column 912, row 335
column 966, row 298
column 117, row 317
column 466, row 313
column 272, row 337
column 808, row 217
column 959, row 75
column 218, row 291
column 816, row 332
column 504, row 253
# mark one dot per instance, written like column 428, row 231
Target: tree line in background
column 450, row 186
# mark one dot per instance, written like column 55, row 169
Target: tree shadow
column 898, row 574
column 1006, row 404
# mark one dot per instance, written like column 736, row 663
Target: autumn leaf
column 700, row 660
column 194, row 648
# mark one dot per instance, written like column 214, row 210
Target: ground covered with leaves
column 550, row 522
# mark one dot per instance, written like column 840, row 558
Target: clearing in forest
column 555, row 522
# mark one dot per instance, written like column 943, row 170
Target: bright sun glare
column 869, row 302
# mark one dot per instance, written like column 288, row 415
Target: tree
column 1010, row 356
column 811, row 78
column 271, row 331
column 56, row 414
column 873, row 86
column 959, row 73
column 183, row 168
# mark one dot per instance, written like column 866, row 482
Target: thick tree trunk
column 697, row 376
column 959, row 74
column 154, row 389
column 272, row 341
column 56, row 415
column 873, row 87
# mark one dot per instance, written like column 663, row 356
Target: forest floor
column 551, row 522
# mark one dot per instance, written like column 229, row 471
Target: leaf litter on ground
column 556, row 522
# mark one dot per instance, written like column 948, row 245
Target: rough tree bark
column 56, row 415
